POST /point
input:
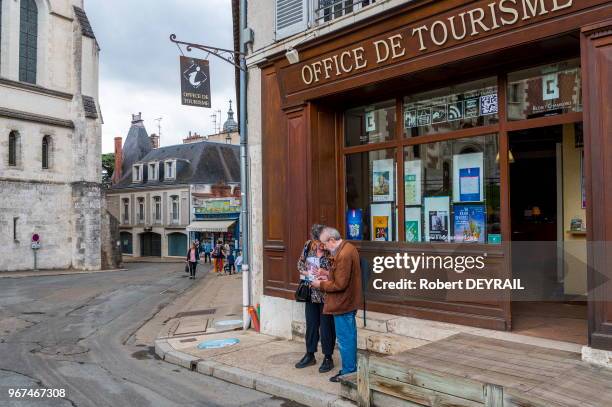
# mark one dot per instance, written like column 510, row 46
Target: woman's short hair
column 332, row 233
column 315, row 231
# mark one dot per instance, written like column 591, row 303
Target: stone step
column 383, row 343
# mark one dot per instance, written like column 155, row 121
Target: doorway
column 150, row 244
column 541, row 170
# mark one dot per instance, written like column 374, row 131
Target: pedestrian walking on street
column 192, row 260
column 218, row 255
column 207, row 251
column 231, row 263
column 318, row 325
column 342, row 288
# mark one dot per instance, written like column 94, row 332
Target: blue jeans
column 346, row 333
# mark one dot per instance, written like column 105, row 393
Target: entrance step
column 383, row 343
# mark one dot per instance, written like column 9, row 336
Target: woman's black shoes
column 327, row 365
column 307, row 360
column 336, row 378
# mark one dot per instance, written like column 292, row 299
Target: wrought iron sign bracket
column 229, row 56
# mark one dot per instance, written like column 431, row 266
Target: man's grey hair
column 332, row 233
column 315, row 231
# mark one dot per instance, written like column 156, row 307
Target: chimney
column 118, row 160
column 154, row 140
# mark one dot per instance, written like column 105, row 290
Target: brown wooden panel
column 597, row 91
column 297, row 189
column 274, row 159
column 275, row 275
column 324, row 192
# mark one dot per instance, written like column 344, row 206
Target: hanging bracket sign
column 195, row 82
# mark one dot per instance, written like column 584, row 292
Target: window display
column 370, row 124
column 545, row 90
column 452, row 108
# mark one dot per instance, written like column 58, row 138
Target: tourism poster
column 437, row 218
column 382, row 227
column 469, row 223
column 412, row 182
column 412, row 222
column 468, row 177
column 382, row 180
column 354, row 225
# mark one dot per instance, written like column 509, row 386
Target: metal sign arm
column 229, row 56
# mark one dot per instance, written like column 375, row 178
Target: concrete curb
column 245, row 378
column 30, row 273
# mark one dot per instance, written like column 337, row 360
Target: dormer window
column 137, row 173
column 153, row 172
column 170, row 170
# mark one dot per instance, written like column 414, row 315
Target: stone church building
column 50, row 137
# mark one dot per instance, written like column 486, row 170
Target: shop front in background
column 214, row 220
column 485, row 148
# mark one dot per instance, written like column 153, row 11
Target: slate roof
column 203, row 162
column 137, row 145
column 86, row 29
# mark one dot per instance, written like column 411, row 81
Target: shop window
column 28, row 40
column 545, row 90
column 371, row 196
column 457, row 107
column 452, row 191
column 370, row 124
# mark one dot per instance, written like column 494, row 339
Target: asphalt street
column 76, row 332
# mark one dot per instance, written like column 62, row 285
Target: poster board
column 382, row 225
column 437, row 221
column 383, row 180
column 412, row 182
column 468, row 176
column 469, row 223
column 354, row 224
column 412, row 221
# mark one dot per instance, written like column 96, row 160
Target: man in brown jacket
column 343, row 289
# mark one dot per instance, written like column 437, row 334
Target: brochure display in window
column 452, row 108
column 371, row 196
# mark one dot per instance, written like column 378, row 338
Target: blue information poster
column 469, row 184
column 354, row 225
column 469, row 222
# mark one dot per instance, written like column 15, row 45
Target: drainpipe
column 244, row 181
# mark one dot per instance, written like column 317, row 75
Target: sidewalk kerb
column 182, row 359
column 296, row 392
column 162, row 347
column 235, row 375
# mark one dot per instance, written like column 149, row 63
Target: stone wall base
column 597, row 356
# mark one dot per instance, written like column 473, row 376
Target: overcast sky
column 139, row 66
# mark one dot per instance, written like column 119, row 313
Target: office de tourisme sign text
column 468, row 24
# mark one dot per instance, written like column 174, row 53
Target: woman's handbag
column 302, row 294
column 187, row 268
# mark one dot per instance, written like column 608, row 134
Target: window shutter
column 291, row 17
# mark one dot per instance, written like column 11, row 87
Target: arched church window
column 46, row 147
column 12, row 150
column 28, row 41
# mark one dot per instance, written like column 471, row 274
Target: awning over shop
column 210, row 225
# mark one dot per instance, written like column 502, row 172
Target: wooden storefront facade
column 411, row 50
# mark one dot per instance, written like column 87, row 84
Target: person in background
column 207, row 250
column 239, row 262
column 231, row 260
column 192, row 260
column 218, row 255
column 318, row 325
column 342, row 288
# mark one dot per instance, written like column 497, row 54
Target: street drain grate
column 188, row 340
column 196, row 312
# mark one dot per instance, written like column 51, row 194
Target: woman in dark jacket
column 192, row 260
column 318, row 325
